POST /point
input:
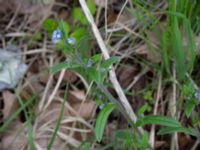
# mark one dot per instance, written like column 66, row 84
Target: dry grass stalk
column 106, row 55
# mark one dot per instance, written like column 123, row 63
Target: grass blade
column 101, row 120
column 169, row 130
column 159, row 120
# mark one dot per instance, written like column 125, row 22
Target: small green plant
column 177, row 53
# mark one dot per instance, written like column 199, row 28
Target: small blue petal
column 101, row 106
column 71, row 41
column 56, row 36
column 68, row 60
column 197, row 95
column 89, row 63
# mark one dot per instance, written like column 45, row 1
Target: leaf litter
column 78, row 107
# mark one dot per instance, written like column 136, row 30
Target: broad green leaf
column 159, row 120
column 189, row 106
column 102, row 119
column 98, row 102
column 187, row 89
column 169, row 130
column 49, row 24
column 96, row 57
column 123, row 134
column 93, row 74
column 178, row 50
column 62, row 66
column 65, row 28
column 78, row 14
column 83, row 42
column 107, row 63
column 91, row 6
column 143, row 109
column 78, row 33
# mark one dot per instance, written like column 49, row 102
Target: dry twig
column 158, row 95
column 106, row 55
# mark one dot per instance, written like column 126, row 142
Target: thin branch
column 172, row 108
column 106, row 55
column 158, row 95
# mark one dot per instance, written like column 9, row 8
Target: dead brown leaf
column 15, row 137
column 126, row 75
column 78, row 95
column 69, row 77
column 52, row 113
column 37, row 10
column 150, row 54
column 10, row 103
column 126, row 19
column 44, row 140
column 159, row 144
column 87, row 109
column 151, row 50
column 34, row 84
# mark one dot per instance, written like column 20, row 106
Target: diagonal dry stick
column 106, row 55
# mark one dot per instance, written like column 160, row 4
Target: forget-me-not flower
column 101, row 106
column 56, row 36
column 89, row 63
column 71, row 41
column 68, row 60
column 197, row 95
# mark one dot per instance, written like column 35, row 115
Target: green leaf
column 91, row 6
column 101, row 120
column 96, row 57
column 143, row 109
column 169, row 130
column 178, row 51
column 144, row 141
column 107, row 63
column 191, row 47
column 86, row 146
column 62, row 66
column 78, row 33
column 189, row 106
column 49, row 24
column 123, row 134
column 65, row 28
column 159, row 120
column 93, row 74
column 37, row 36
column 78, row 14
column 60, row 117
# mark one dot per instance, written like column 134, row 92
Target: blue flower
column 71, row 41
column 56, row 36
column 68, row 61
column 101, row 106
column 89, row 63
column 197, row 95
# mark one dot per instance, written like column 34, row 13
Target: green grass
column 180, row 26
column 49, row 147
